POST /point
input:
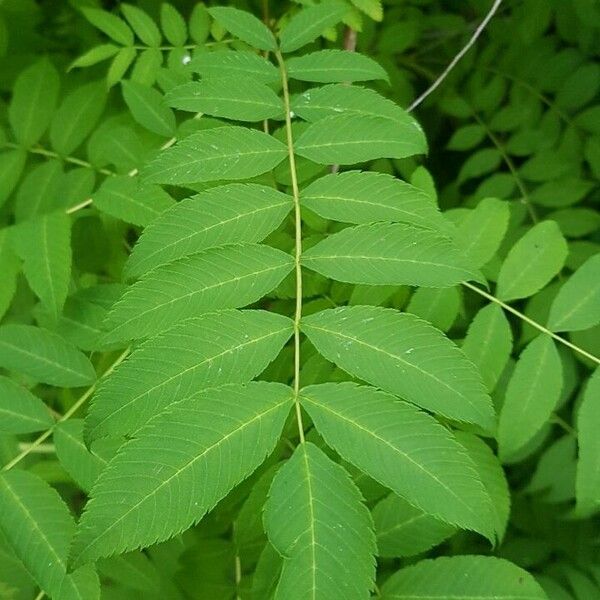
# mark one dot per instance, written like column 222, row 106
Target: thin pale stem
column 298, row 241
column 457, row 58
column 531, row 322
column 78, row 404
column 40, row 595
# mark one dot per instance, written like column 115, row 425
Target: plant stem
column 298, row 241
column 533, row 323
column 44, row 436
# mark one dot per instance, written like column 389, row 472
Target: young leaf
column 402, row 448
column 173, row 472
column 533, row 392
column 34, row 97
column 230, row 64
column 307, row 24
column 114, row 27
column 480, row 233
column 588, row 466
column 95, row 55
column 403, row 530
column 225, row 277
column 222, row 153
column 147, row 108
column 20, row 410
column 44, row 245
column 315, row 518
column 532, row 262
column 367, row 197
column 330, row 100
column 77, row 116
column 240, row 98
column 119, row 65
column 228, row 346
column 132, row 201
column 244, row 26
column 481, row 577
column 577, row 304
column 488, row 343
column 389, row 254
column 233, row 213
column 346, row 140
column 334, row 66
column 402, row 355
column 142, row 24
column 43, row 356
column 173, row 24
column 492, row 476
column 39, row 527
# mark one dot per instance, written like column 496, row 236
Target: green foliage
column 268, row 334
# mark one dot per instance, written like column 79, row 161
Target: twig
column 457, row 58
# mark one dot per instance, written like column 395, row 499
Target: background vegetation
column 513, row 162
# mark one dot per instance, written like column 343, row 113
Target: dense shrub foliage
column 276, row 324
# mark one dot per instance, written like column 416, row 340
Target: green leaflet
column 12, row 164
column 34, row 98
column 403, row 530
column 438, row 306
column 173, row 24
column 111, row 25
column 134, row 570
column 588, row 467
column 77, row 116
column 41, row 191
column 462, row 578
column 172, row 473
column 403, row 355
column 532, row 262
column 230, row 64
column 147, row 108
column 479, row 234
column 245, row 26
column 237, row 98
column 10, row 267
column 227, row 346
column 130, row 200
column 347, row 140
column 315, row 518
column 492, row 476
column 402, row 448
column 389, row 254
column 488, row 343
column 95, row 55
column 307, row 24
column 222, row 153
column 142, row 24
column 119, row 65
column 43, row 356
column 361, row 197
column 577, row 304
column 44, row 245
column 82, row 464
column 39, row 527
column 228, row 214
column 20, row 410
column 334, row 66
column 217, row 278
column 532, row 394
column 330, row 100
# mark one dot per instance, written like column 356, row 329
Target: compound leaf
column 315, row 518
column 179, row 466
column 225, row 277
column 44, row 356
column 532, row 394
column 245, row 26
column 532, row 262
column 389, row 254
column 402, row 448
column 226, row 214
column 464, row 578
column 577, row 304
column 228, row 346
column 222, row 153
column 403, row 355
